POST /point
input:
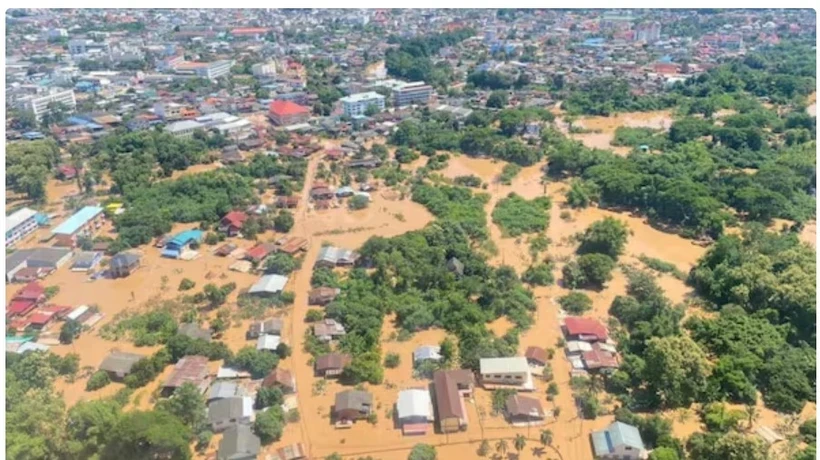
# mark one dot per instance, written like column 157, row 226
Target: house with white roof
column 269, row 285
column 619, row 441
column 512, row 372
column 415, row 411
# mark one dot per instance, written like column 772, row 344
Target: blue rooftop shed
column 180, row 241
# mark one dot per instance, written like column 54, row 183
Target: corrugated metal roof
column 18, row 217
column 269, row 284
column 80, row 218
column 514, row 364
column 414, row 403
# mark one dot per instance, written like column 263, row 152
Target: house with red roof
column 600, row 360
column 584, row 329
column 259, row 252
column 284, row 113
column 40, row 319
column 26, row 300
column 232, row 222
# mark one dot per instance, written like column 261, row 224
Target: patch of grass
column 516, row 215
column 662, row 266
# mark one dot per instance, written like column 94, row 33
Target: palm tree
column 546, row 437
column 519, row 443
column 501, row 446
column 544, row 181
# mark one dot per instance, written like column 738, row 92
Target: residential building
column 282, row 379
column 81, row 46
column 86, row 260
column 20, row 224
column 123, row 264
column 47, row 259
column 414, row 410
column 330, row 256
column 600, row 360
column 648, row 32
column 455, row 266
column 331, row 364
column 25, row 300
column 536, row 356
column 269, row 285
column 222, row 389
column 228, row 412
column 271, row 326
column 450, row 388
column 239, row 443
column 285, row 113
column 412, row 93
column 426, row 353
column 85, row 222
column 184, row 128
column 506, row 372
column 189, row 369
column 259, row 252
column 40, row 105
column 328, row 329
column 119, row 364
column 290, row 452
column 182, row 241
column 194, row 331
column 619, row 441
column 232, row 222
column 358, row 104
column 169, row 111
column 264, row 69
column 352, row 405
column 322, row 295
column 209, row 70
column 524, row 411
column 584, row 329
column 268, row 342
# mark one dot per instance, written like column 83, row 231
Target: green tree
column 281, row 264
column 546, row 438
column 607, row 236
column 358, row 202
column 283, row 222
column 497, row 99
column 392, row 360
column 575, row 303
column 422, row 452
column 501, row 447
column 188, row 405
column 97, row 380
column 269, row 425
column 677, row 369
column 268, row 396
column 365, row 367
column 258, row 362
column 664, row 453
column 155, row 434
column 69, row 331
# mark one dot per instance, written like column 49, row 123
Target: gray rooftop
column 238, row 442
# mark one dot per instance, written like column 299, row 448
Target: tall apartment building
column 264, row 69
column 19, row 224
column 412, row 93
column 357, row 104
column 39, row 105
column 648, row 32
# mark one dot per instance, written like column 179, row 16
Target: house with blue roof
column 84, row 223
column 180, row 242
column 619, row 441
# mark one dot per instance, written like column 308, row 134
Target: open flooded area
column 410, row 234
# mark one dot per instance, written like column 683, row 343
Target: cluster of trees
column 455, row 204
column 90, row 429
column 497, row 80
column 412, row 59
column 607, row 95
column 601, row 245
column 686, row 188
column 516, row 215
column 483, row 134
column 29, row 165
column 145, row 329
column 152, row 208
column 411, row 279
column 764, row 337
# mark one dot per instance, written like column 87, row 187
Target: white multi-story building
column 19, row 224
column 215, row 69
column 264, row 69
column 412, row 93
column 57, row 33
column 168, row 110
column 39, row 104
column 80, row 46
column 648, row 32
column 357, row 104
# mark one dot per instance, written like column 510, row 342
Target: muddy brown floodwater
column 603, row 128
column 390, row 215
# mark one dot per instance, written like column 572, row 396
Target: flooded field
column 602, row 129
